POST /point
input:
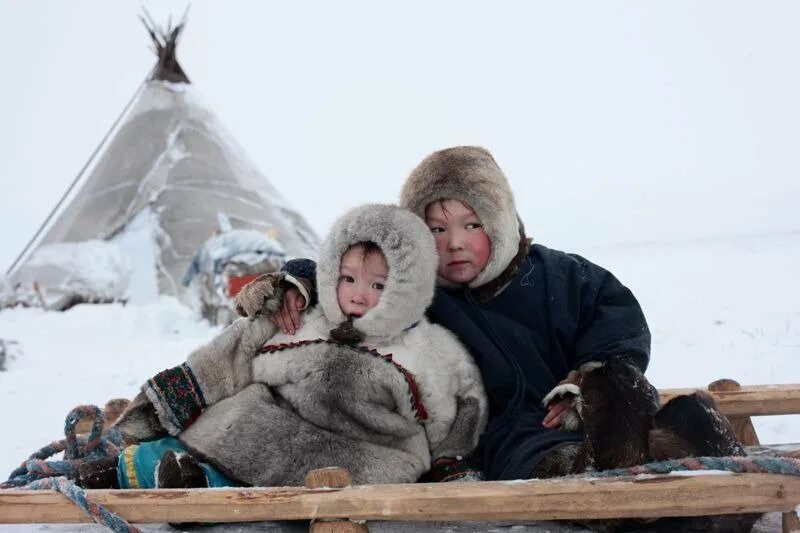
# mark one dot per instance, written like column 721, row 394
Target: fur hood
column 469, row 174
column 410, row 255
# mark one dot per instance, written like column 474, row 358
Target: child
column 367, row 383
column 561, row 344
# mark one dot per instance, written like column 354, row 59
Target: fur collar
column 410, row 253
column 485, row 293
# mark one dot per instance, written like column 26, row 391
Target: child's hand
column 288, row 318
column 555, row 413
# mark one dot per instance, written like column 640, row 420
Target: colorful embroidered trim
column 179, row 390
column 416, row 398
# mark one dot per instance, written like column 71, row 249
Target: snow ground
column 725, row 307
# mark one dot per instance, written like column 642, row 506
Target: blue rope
column 98, row 513
column 96, row 445
column 36, row 473
column 737, row 464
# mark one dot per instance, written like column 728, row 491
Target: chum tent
column 160, row 181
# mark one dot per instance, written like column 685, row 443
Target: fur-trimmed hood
column 469, row 174
column 410, row 252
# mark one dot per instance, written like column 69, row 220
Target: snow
column 89, row 354
column 695, row 473
column 91, row 271
column 717, row 308
column 137, row 240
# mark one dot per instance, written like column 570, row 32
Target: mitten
column 262, row 296
column 570, row 387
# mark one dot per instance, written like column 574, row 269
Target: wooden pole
column 742, row 425
column 562, row 499
column 332, row 477
column 752, row 400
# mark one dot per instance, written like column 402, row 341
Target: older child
column 367, row 383
column 560, row 342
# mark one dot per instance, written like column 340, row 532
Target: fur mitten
column 570, row 387
column 262, row 296
column 618, row 404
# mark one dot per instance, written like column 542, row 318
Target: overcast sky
column 615, row 121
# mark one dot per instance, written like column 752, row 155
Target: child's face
column 361, row 281
column 463, row 245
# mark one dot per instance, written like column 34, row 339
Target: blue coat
column 559, row 312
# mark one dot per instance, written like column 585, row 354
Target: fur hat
column 469, row 174
column 410, row 252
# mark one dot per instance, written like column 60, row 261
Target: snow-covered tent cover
column 158, row 183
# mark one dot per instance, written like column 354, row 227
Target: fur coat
column 265, row 408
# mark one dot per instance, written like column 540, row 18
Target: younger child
column 367, row 383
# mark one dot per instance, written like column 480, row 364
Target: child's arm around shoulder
column 460, row 435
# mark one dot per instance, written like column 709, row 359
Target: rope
column 76, row 449
column 98, row 513
column 36, row 473
column 737, row 464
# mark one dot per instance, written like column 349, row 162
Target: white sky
column 614, row 121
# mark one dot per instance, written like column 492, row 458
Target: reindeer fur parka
column 265, row 408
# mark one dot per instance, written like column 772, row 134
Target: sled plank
column 517, row 500
column 750, row 400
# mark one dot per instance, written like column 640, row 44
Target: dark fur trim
column 487, row 291
column 345, row 333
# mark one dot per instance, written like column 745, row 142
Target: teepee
column 160, row 181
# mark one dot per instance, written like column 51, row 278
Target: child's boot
column 179, row 471
column 98, row 474
column 691, row 426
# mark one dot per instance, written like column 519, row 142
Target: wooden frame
column 563, row 499
column 330, row 502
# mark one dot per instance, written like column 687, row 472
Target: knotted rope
column 36, row 473
column 76, row 450
column 77, row 495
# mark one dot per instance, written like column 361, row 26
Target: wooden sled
column 333, row 505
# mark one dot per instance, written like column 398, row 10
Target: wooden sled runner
column 335, row 506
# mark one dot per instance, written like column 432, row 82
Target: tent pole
column 33, row 240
